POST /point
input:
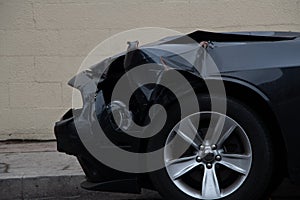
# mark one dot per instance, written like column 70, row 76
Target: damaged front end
column 98, row 175
column 121, row 118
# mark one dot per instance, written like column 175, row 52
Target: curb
column 41, row 187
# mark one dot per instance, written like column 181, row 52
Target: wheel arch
column 260, row 104
column 251, row 96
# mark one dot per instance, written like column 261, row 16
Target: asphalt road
column 286, row 191
column 147, row 196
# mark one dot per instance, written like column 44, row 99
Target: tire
column 253, row 186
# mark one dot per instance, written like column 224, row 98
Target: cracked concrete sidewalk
column 35, row 170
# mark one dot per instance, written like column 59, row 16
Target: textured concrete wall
column 42, row 43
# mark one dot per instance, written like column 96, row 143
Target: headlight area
column 77, row 101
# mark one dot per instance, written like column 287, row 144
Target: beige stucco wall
column 42, row 43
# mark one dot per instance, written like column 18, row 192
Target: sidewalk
column 37, row 171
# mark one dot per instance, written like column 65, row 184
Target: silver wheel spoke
column 198, row 139
column 188, row 132
column 221, row 131
column 213, row 135
column 181, row 166
column 226, row 134
column 236, row 162
column 187, row 139
column 210, row 184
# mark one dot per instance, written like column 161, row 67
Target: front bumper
column 99, row 176
column 65, row 132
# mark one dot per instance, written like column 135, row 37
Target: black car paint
column 265, row 64
column 272, row 69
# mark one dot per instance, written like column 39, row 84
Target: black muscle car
column 198, row 116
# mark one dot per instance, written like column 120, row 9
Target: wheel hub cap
column 210, row 157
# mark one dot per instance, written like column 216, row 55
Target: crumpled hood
column 222, row 52
column 157, row 50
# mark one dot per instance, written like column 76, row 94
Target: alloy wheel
column 217, row 160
